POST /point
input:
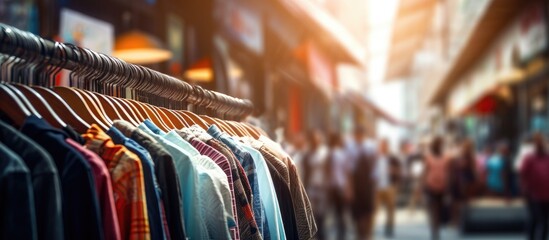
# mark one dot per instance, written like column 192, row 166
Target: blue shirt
column 268, row 194
column 152, row 191
column 494, row 167
column 248, row 164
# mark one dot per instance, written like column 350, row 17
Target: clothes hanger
column 110, row 83
column 113, row 109
column 105, row 107
column 23, row 100
column 150, row 114
column 138, row 108
column 211, row 121
column 165, row 119
column 124, row 110
column 41, row 105
column 83, row 107
column 180, row 119
column 255, row 133
column 12, row 106
column 174, row 119
column 81, row 123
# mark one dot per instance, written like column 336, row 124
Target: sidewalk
column 411, row 227
column 415, row 226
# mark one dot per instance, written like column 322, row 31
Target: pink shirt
column 534, row 175
column 103, row 188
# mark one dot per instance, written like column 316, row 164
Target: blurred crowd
column 364, row 178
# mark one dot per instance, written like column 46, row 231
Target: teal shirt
column 214, row 192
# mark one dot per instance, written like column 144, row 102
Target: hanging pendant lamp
column 140, row 48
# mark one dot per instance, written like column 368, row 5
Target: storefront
column 504, row 96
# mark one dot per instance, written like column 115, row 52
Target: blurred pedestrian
column 416, row 166
column 534, row 176
column 314, row 167
column 499, row 170
column 298, row 150
column 387, row 176
column 482, row 160
column 338, row 173
column 435, row 180
column 465, row 180
column 363, row 184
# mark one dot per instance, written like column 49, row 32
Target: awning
column 498, row 15
column 367, row 105
column 327, row 30
column 414, row 17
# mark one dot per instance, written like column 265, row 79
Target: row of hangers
column 30, row 67
column 79, row 108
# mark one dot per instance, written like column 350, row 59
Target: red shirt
column 534, row 175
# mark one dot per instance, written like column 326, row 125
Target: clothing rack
column 99, row 69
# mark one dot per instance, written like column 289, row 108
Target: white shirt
column 341, row 168
column 381, row 172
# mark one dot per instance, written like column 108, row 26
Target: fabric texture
column 45, row 181
column 243, row 193
column 306, row 223
column 248, row 164
column 152, row 190
column 214, row 188
column 283, row 194
column 268, row 193
column 128, row 183
column 166, row 174
column 103, row 188
column 224, row 164
column 16, row 198
column 81, row 214
column 195, row 222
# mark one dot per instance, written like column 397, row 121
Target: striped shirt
column 302, row 206
column 223, row 163
column 128, row 183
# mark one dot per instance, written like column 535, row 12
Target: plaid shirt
column 128, row 183
column 248, row 164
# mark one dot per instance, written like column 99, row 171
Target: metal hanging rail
column 110, row 70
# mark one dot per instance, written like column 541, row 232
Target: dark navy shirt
column 16, row 198
column 45, row 181
column 81, row 214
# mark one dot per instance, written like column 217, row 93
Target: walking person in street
column 387, row 176
column 534, row 176
column 435, row 180
column 465, row 181
column 314, row 169
column 499, row 170
column 338, row 172
column 362, row 183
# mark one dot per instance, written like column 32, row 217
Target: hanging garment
column 81, row 213
column 45, row 182
column 152, row 191
column 128, row 183
column 302, row 206
column 214, row 193
column 166, row 174
column 16, row 198
column 103, row 189
column 248, row 164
